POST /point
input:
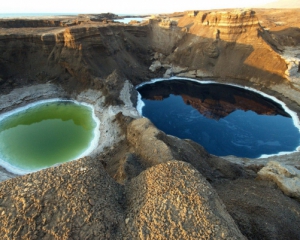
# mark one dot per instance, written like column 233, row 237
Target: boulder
column 212, row 50
column 158, row 56
column 178, row 69
column 142, row 134
column 286, row 177
column 203, row 73
column 155, row 66
column 192, row 74
column 132, row 22
column 167, row 23
column 168, row 73
column 174, row 70
column 188, row 74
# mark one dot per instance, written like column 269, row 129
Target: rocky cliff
column 73, row 54
column 140, row 183
column 226, row 45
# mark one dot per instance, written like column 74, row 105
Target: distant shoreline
column 34, row 15
column 43, row 15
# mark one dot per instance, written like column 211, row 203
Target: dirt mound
column 163, row 203
column 75, row 202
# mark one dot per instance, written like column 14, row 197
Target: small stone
column 155, row 66
column 126, row 221
column 91, row 202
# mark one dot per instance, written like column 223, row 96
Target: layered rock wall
column 229, row 26
column 225, row 45
column 72, row 54
column 207, row 44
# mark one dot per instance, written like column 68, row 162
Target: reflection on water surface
column 44, row 135
column 225, row 120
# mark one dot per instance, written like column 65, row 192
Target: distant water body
column 128, row 20
column 32, row 15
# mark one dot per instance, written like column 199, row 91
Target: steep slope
column 226, row 45
column 71, row 55
column 214, row 44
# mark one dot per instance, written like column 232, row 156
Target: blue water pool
column 225, row 120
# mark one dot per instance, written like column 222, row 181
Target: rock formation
column 226, row 44
column 140, row 183
column 166, row 206
column 286, row 177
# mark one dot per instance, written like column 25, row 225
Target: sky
column 119, row 6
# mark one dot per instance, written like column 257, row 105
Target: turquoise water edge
column 45, row 134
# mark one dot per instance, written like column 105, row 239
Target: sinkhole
column 46, row 133
column 224, row 119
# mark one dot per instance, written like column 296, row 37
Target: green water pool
column 45, row 134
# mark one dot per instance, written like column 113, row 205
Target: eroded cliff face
column 215, row 44
column 226, row 45
column 240, row 46
column 72, row 56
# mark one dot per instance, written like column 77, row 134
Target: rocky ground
column 140, row 183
